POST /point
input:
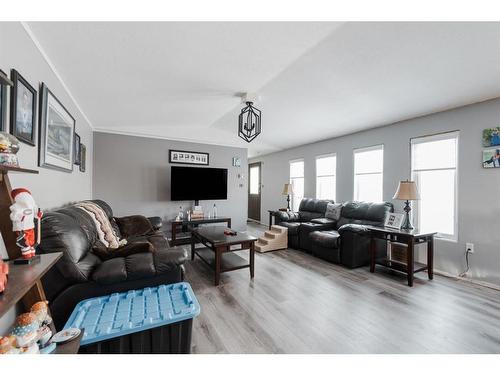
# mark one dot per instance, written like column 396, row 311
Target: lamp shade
column 407, row 191
column 287, row 189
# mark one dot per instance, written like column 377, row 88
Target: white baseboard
column 468, row 279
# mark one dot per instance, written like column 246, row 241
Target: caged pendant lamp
column 249, row 121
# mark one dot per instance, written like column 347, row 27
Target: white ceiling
column 316, row 80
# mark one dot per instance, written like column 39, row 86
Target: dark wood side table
column 409, row 238
column 219, row 250
column 179, row 226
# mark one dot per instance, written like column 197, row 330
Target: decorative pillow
column 333, row 211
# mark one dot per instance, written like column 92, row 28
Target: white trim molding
column 38, row 45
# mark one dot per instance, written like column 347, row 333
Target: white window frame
column 332, row 155
column 293, row 197
column 416, row 207
column 364, row 149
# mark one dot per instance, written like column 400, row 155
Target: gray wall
column 132, row 174
column 50, row 188
column 478, row 188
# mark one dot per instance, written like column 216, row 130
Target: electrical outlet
column 469, row 247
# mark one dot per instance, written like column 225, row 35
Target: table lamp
column 407, row 191
column 287, row 190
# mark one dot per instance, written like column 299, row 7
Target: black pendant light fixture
column 249, row 120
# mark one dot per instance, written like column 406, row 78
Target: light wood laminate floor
column 301, row 304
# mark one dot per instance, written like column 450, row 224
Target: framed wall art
column 491, row 137
column 83, row 157
column 76, row 146
column 188, row 157
column 57, row 131
column 23, row 108
column 3, row 106
column 491, row 158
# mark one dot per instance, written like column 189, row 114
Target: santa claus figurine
column 23, row 212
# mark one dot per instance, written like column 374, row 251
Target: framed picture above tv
column 188, row 157
column 57, row 132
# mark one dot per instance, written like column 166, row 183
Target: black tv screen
column 194, row 183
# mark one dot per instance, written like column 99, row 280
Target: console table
column 409, row 238
column 186, row 226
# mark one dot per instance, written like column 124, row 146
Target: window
column 369, row 173
column 297, row 181
column 434, row 169
column 254, row 179
column 326, row 170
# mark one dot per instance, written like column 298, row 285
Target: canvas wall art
column 491, row 158
column 57, row 130
column 491, row 137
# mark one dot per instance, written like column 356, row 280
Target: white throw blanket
column 102, row 225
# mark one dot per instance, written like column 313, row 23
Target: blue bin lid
column 121, row 314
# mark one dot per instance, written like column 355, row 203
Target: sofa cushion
column 293, row 227
column 364, row 213
column 135, row 225
column 314, row 205
column 323, row 221
column 333, row 211
column 328, row 238
column 130, row 248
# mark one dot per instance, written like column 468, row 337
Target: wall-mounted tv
column 196, row 183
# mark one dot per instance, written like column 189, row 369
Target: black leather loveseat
column 345, row 240
column 311, row 216
column 86, row 270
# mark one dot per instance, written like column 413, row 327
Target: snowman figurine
column 23, row 212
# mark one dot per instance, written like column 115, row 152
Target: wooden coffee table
column 219, row 250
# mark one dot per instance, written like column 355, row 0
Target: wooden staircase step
column 278, row 229
column 270, row 234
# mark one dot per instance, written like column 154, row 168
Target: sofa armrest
column 286, row 216
column 135, row 225
column 354, row 229
column 156, row 222
column 139, row 266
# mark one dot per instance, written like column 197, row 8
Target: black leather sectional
column 85, row 272
column 344, row 241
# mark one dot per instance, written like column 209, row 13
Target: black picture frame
column 188, row 157
column 51, row 154
column 31, row 94
column 83, row 157
column 76, row 146
column 3, row 105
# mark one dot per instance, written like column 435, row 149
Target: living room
column 299, row 186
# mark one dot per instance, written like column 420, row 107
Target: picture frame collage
column 39, row 118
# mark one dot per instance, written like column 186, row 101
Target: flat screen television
column 195, row 183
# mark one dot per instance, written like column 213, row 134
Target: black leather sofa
column 145, row 261
column 345, row 241
column 310, row 217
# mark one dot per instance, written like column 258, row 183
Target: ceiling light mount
column 249, row 120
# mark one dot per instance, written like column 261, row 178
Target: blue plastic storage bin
column 151, row 320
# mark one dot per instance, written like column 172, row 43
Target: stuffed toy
column 23, row 212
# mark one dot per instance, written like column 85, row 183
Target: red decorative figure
column 23, row 213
